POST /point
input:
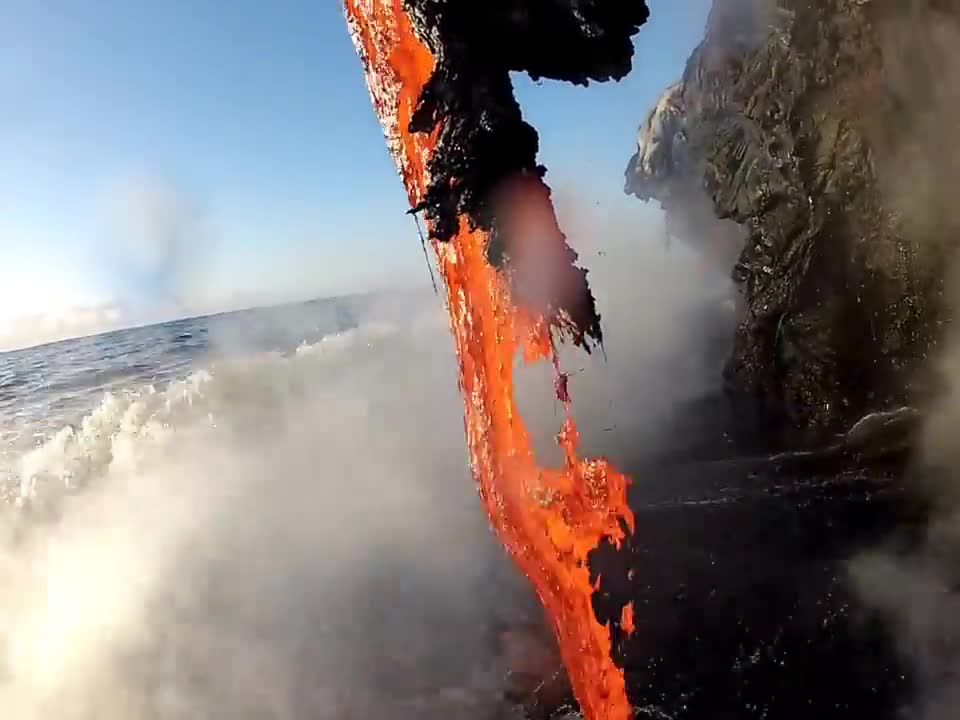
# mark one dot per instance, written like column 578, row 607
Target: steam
column 667, row 311
column 276, row 538
column 913, row 581
column 159, row 232
column 289, row 536
column 283, row 537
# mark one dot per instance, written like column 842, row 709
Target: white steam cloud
column 914, row 581
column 153, row 224
column 299, row 536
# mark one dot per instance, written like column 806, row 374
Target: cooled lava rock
column 827, row 130
column 743, row 602
column 745, row 605
column 484, row 166
column 483, row 138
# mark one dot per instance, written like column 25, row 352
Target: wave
column 130, row 427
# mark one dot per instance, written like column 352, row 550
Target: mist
column 911, row 582
column 288, row 536
column 279, row 538
column 667, row 312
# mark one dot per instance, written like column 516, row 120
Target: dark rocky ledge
column 483, row 137
column 826, row 129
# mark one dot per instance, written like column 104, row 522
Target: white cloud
column 76, row 321
column 46, row 290
column 149, row 219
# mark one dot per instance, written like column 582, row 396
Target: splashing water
column 548, row 519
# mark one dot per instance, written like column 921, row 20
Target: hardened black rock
column 484, row 139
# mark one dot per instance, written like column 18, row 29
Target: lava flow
column 548, row 519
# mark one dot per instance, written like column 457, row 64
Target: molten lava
column 549, row 519
column 626, row 619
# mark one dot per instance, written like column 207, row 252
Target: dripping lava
column 441, row 88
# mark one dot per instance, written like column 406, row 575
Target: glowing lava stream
column 548, row 519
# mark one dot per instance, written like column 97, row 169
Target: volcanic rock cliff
column 827, row 129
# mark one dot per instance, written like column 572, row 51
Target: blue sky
column 174, row 156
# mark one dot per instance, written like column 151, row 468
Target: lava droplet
column 626, row 619
column 548, row 519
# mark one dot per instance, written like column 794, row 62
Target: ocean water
column 46, row 388
column 60, row 403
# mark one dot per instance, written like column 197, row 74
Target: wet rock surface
column 744, row 602
column 741, row 576
column 811, row 124
column 810, row 147
column 739, row 572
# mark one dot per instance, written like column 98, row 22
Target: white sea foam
column 131, row 426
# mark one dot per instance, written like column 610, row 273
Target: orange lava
column 626, row 619
column 548, row 519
